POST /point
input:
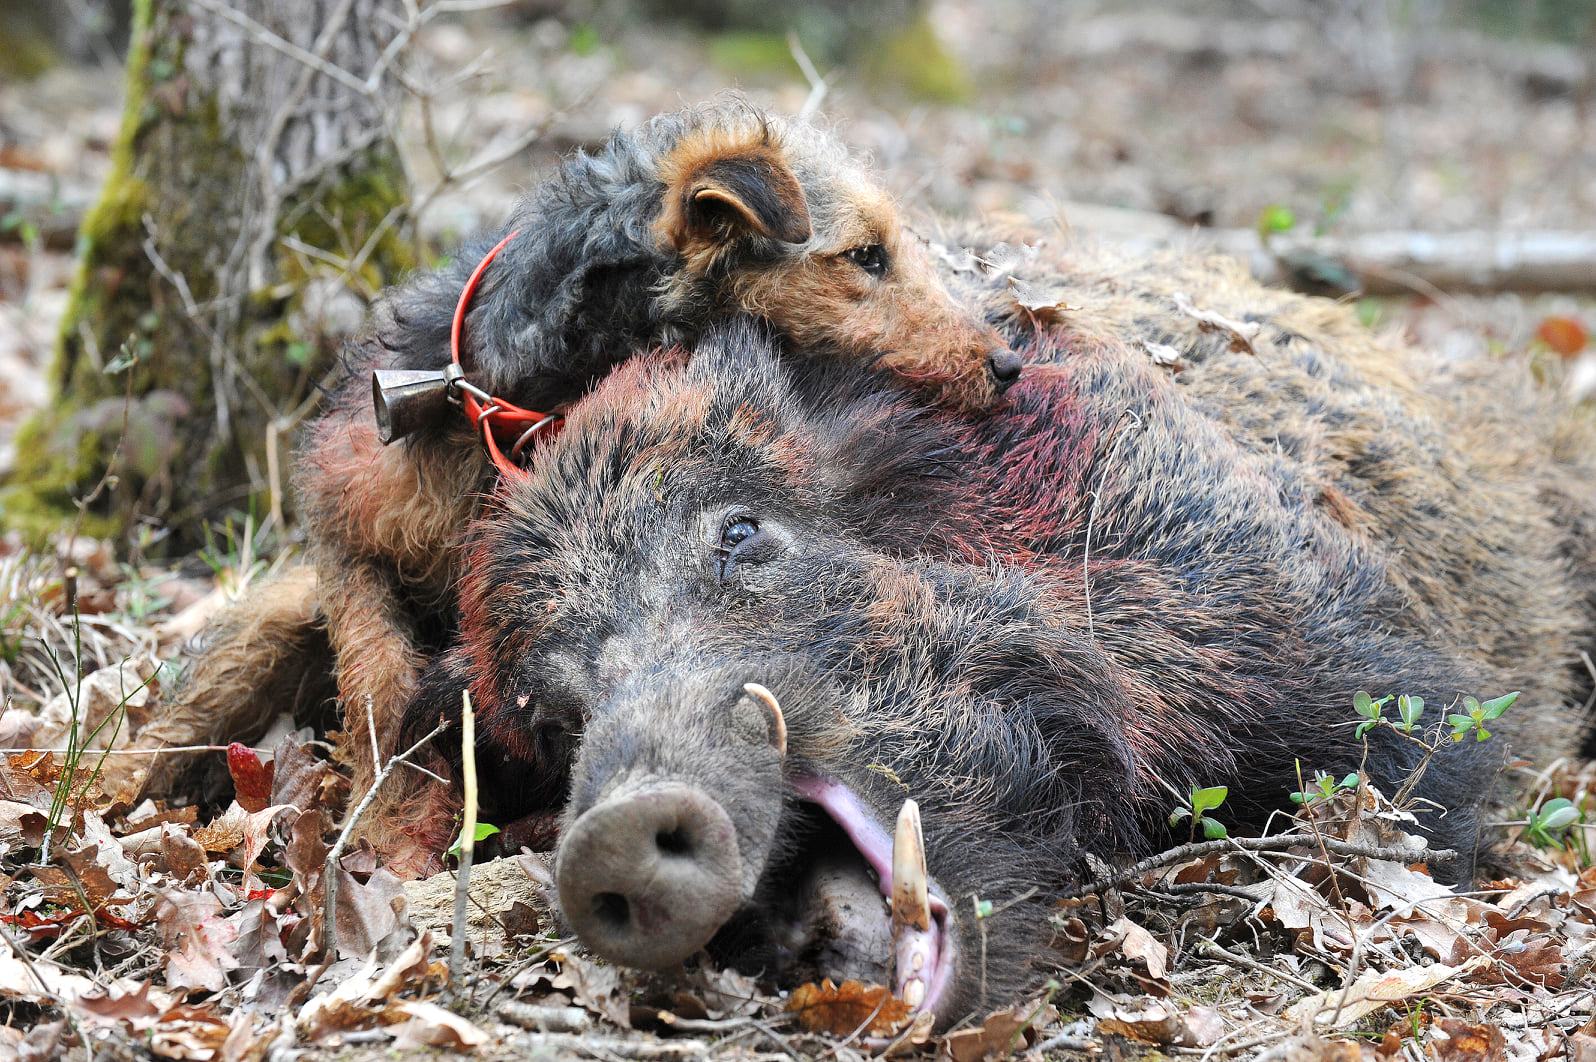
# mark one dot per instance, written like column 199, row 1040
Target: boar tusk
column 911, row 904
column 911, row 907
column 768, row 699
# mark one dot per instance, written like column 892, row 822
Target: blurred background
column 191, row 224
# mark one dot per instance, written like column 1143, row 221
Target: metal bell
column 406, row 400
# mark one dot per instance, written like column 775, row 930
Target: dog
column 698, row 215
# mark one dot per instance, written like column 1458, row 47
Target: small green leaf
column 1364, row 705
column 1482, row 734
column 584, row 39
column 1214, row 829
column 1363, row 728
column 1300, row 798
column 1178, row 815
column 1350, row 781
column 125, row 359
column 1276, row 218
column 483, row 831
column 1410, row 709
column 1557, row 815
column 1208, row 799
column 983, row 908
column 1497, row 705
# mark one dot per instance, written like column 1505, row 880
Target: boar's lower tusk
column 911, row 904
column 768, row 699
column 911, row 907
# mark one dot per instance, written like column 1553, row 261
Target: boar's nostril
column 1005, row 366
column 646, row 878
column 612, row 908
column 674, row 842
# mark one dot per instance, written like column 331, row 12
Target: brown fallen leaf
column 429, row 1025
column 1156, row 1022
column 188, row 1032
column 1000, row 1035
column 1137, row 944
column 1452, row 1040
column 197, row 940
column 594, row 987
column 842, row 1009
column 125, row 686
column 1565, row 335
column 1374, row 990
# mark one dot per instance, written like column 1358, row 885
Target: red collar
column 493, row 416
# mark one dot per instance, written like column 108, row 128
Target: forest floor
column 185, row 932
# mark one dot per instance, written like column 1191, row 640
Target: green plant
column 1370, row 709
column 1274, row 219
column 1552, row 825
column 1409, row 710
column 1196, row 808
column 483, row 831
column 1323, row 787
column 1477, row 715
column 77, row 742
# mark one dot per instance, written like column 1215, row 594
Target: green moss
column 914, row 59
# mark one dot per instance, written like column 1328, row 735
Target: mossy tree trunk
column 251, row 210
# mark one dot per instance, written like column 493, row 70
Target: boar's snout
column 647, row 877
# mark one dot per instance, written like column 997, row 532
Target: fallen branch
column 1280, row 842
column 1403, row 263
column 329, row 872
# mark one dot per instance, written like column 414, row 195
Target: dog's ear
column 716, row 193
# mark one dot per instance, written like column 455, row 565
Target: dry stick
column 1211, row 948
column 329, row 873
column 1277, row 843
column 468, row 838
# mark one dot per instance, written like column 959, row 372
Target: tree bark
column 252, row 207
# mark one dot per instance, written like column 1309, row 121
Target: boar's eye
column 872, row 258
column 740, row 542
column 738, row 530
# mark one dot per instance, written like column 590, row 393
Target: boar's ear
column 717, row 193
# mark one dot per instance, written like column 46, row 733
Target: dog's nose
column 1005, row 366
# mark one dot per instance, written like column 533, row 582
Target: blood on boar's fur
column 1035, row 623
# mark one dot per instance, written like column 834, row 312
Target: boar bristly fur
column 1038, row 623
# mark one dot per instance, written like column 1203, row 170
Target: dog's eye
column 872, row 258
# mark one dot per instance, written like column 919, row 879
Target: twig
column 468, row 839
column 1278, row 843
column 330, row 868
column 1062, row 1042
column 1210, row 948
column 1207, row 888
column 817, row 84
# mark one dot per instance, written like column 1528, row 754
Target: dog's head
column 776, row 219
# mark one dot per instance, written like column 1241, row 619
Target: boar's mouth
column 923, row 947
